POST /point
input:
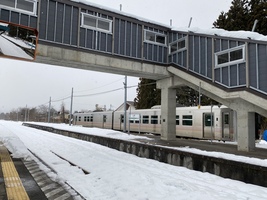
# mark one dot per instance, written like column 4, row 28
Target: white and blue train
column 205, row 122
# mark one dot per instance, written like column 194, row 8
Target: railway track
column 52, row 189
column 25, row 180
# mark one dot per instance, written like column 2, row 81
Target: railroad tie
column 14, row 186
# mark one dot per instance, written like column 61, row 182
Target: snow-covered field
column 116, row 175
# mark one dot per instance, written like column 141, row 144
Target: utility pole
column 48, row 120
column 125, row 104
column 199, row 95
column 25, row 117
column 71, row 102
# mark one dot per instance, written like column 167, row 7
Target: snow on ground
column 123, row 136
column 10, row 49
column 115, row 175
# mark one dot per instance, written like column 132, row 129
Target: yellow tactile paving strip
column 14, row 187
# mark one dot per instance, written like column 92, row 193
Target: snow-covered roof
column 120, row 12
column 212, row 31
column 223, row 33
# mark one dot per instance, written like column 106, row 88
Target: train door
column 225, row 125
column 104, row 121
column 208, row 125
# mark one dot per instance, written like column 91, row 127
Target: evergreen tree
column 147, row 94
column 186, row 96
column 242, row 15
column 236, row 18
column 258, row 11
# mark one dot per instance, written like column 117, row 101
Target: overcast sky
column 27, row 83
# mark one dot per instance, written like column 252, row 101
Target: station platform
column 205, row 145
column 23, row 180
column 15, row 179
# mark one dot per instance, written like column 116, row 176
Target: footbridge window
column 26, row 6
column 177, row 46
column 230, row 56
column 155, row 37
column 96, row 23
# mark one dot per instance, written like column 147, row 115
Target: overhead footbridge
column 229, row 67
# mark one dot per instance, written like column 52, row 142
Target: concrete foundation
column 168, row 114
column 246, row 130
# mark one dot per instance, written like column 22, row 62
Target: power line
column 86, row 95
column 94, row 94
column 60, row 99
column 99, row 86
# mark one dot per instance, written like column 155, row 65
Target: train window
column 187, row 120
column 105, row 118
column 208, row 120
column 154, row 119
column 177, row 120
column 145, row 119
column 91, row 118
column 79, row 118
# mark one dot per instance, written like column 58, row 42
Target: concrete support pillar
column 168, row 113
column 245, row 130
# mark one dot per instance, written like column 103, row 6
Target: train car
column 206, row 122
column 94, row 119
column 191, row 122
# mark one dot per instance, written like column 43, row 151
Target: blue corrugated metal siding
column 233, row 72
column 18, row 18
column 225, row 76
column 153, row 51
column 262, row 60
column 253, row 67
column 179, row 57
column 242, row 74
column 258, row 66
column 61, row 22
